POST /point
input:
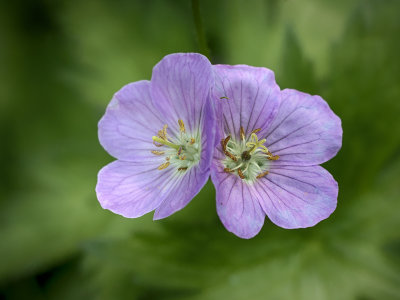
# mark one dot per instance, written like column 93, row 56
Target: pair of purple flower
column 262, row 146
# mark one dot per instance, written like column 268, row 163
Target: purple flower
column 271, row 145
column 162, row 132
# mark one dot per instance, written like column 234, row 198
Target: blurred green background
column 61, row 62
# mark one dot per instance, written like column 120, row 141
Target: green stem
column 201, row 37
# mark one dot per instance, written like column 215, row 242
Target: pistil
column 165, row 142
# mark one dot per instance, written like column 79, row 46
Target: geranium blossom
column 162, row 133
column 271, row 143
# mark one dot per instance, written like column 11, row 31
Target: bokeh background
column 61, row 62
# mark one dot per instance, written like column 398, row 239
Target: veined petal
column 132, row 189
column 247, row 97
column 130, row 121
column 297, row 196
column 186, row 187
column 238, row 210
column 181, row 86
column 305, row 130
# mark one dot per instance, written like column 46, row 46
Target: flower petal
column 133, row 189
column 246, row 96
column 237, row 208
column 297, row 197
column 129, row 123
column 305, row 130
column 187, row 186
column 181, row 86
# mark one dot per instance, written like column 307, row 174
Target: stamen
column 274, row 157
column 227, row 153
column 241, row 174
column 181, row 126
column 163, row 132
column 225, row 142
column 270, row 156
column 231, row 156
column 163, row 166
column 242, row 133
column 179, row 151
column 223, row 145
column 237, row 167
column 256, row 130
column 155, row 152
column 224, row 97
column 182, row 169
column 227, row 170
column 192, row 141
column 262, row 174
column 183, row 157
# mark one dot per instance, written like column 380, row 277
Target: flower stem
column 201, row 37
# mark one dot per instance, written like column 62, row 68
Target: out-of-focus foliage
column 61, row 61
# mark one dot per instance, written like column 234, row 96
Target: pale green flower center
column 248, row 158
column 182, row 152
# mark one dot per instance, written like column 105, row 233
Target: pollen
column 163, row 133
column 181, row 126
column 240, row 173
column 164, row 165
column 242, row 133
column 262, row 174
column 224, row 143
column 155, row 152
column 227, row 170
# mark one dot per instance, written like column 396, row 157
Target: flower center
column 248, row 158
column 182, row 152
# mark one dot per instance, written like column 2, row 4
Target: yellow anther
column 183, row 157
column 181, row 125
column 192, row 141
column 155, row 152
column 163, row 166
column 163, row 132
column 273, row 157
column 256, row 130
column 182, row 169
